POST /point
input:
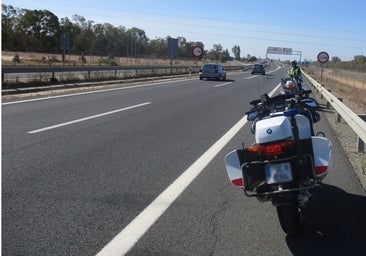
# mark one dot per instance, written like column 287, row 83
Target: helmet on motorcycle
column 290, row 84
column 294, row 63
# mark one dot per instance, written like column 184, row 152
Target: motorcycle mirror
column 310, row 102
column 255, row 102
column 252, row 115
column 291, row 112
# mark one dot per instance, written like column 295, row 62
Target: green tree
column 215, row 53
column 8, row 21
column 359, row 63
column 236, row 52
column 158, row 47
column 82, row 36
column 225, row 56
column 41, row 30
column 137, row 42
column 336, row 59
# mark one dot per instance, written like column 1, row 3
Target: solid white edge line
column 130, row 235
column 87, row 118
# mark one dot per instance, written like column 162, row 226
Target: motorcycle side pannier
column 322, row 148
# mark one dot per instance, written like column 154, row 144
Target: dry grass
column 41, row 59
column 349, row 85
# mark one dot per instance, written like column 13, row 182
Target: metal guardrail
column 87, row 72
column 114, row 69
column 44, row 69
column 357, row 124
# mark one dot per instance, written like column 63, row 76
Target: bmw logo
column 269, row 131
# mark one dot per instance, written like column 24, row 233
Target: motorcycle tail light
column 272, row 149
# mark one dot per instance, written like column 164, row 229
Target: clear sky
column 310, row 26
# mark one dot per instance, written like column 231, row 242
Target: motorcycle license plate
column 278, row 173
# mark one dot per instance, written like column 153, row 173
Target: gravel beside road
column 346, row 136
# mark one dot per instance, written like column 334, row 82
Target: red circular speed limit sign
column 323, row 57
column 197, row 51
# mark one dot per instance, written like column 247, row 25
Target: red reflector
column 238, row 182
column 320, row 169
column 255, row 149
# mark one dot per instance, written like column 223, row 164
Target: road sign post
column 323, row 57
column 197, row 52
column 172, row 51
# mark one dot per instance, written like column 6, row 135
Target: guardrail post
column 360, row 142
column 328, row 103
column 339, row 117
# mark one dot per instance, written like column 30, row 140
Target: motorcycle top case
column 278, row 128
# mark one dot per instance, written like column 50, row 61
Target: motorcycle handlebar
column 266, row 99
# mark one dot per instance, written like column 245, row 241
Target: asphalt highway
column 139, row 171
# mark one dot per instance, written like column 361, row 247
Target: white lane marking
column 219, row 85
column 250, row 77
column 87, row 118
column 131, row 234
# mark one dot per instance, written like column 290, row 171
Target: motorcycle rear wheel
column 290, row 217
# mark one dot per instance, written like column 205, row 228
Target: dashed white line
column 219, row 85
column 131, row 234
column 87, row 118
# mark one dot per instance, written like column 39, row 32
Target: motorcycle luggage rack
column 251, row 193
column 282, row 191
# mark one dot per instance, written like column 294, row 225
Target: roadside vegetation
column 42, row 31
column 33, row 37
column 344, row 78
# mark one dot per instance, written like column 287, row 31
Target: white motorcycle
column 286, row 162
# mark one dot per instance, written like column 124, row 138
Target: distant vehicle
column 212, row 70
column 258, row 69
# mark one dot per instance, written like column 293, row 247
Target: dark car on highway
column 258, row 69
column 212, row 70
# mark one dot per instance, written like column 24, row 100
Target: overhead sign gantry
column 282, row 51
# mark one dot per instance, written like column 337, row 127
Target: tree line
column 357, row 64
column 41, row 31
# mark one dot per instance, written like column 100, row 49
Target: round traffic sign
column 197, row 51
column 323, row 57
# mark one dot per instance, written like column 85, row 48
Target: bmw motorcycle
column 292, row 85
column 287, row 162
